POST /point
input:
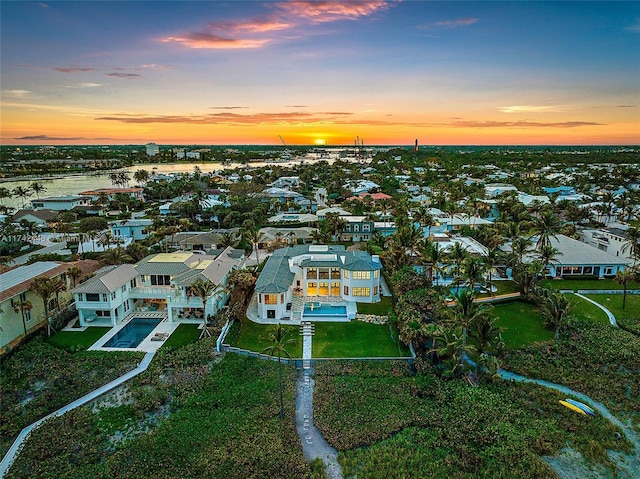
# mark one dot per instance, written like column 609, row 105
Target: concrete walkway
column 314, row 445
column 17, row 444
column 612, row 318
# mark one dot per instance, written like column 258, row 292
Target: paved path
column 314, row 444
column 612, row 318
column 15, row 447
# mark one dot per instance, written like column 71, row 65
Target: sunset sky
column 243, row 72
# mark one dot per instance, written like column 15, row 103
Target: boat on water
column 582, row 406
column 572, row 407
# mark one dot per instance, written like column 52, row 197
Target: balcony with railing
column 156, row 292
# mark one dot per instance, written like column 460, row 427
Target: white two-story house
column 159, row 283
column 319, row 274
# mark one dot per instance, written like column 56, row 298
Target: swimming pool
column 324, row 309
column 133, row 333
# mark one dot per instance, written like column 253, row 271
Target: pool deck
column 149, row 344
column 297, row 306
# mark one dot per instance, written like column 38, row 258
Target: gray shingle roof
column 276, row 276
column 108, row 279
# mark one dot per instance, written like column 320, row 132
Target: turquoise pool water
column 324, row 309
column 133, row 333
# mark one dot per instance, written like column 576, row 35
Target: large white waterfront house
column 320, row 277
column 159, row 283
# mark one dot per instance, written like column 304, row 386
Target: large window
column 270, row 299
column 360, row 292
column 160, row 280
column 323, row 290
column 324, row 273
column 312, row 288
column 335, row 289
column 92, row 297
column 335, row 273
column 361, row 275
column 312, row 273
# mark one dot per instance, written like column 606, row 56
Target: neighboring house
column 293, row 218
column 361, row 186
column 287, row 235
column 576, row 258
column 287, row 182
column 158, row 283
column 444, row 274
column 358, row 228
column 496, row 189
column 60, row 203
column 199, row 240
column 134, row 193
column 41, row 218
column 527, row 199
column 322, row 214
column 15, row 289
column 560, row 190
column 373, row 196
column 322, row 273
column 611, row 240
column 136, row 229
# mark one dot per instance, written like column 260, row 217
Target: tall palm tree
column 21, row 192
column 546, row 226
column 472, row 272
column 116, row 256
column 458, row 254
column 632, row 244
column 45, row 288
column 254, row 237
column 205, row 289
column 623, row 278
column 547, row 254
column 464, row 312
column 438, row 258
column 37, row 188
column 227, row 238
column 23, row 307
column 74, row 273
column 277, row 337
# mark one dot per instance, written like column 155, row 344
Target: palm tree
column 45, row 288
column 21, row 192
column 205, row 289
column 141, row 176
column 458, row 254
column 484, row 330
column 254, row 237
column 473, row 270
column 227, row 238
column 494, row 255
column 23, row 307
column 115, row 256
column 546, row 226
column 464, row 312
column 74, row 273
column 277, row 337
column 632, row 243
column 623, row 278
column 38, row 188
column 555, row 309
column 547, row 254
column 437, row 257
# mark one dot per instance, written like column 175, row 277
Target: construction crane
column 285, row 145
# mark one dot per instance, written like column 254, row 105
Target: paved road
column 314, row 444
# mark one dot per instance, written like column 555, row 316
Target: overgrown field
column 389, row 424
column 39, row 377
column 593, row 358
column 192, row 414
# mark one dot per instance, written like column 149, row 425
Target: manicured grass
column 576, row 284
column 184, row 334
column 77, row 340
column 581, row 308
column 355, row 339
column 255, row 337
column 629, row 317
column 380, row 308
column 522, row 324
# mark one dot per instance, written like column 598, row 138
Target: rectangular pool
column 324, row 309
column 133, row 333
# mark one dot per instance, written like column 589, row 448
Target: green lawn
column 380, row 308
column 576, row 284
column 629, row 317
column 581, row 308
column 521, row 323
column 254, row 337
column 355, row 339
column 76, row 340
column 184, row 334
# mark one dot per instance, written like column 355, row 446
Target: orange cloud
column 230, row 118
column 255, row 26
column 330, row 11
column 209, row 40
